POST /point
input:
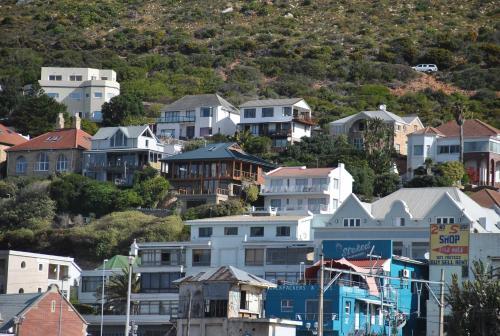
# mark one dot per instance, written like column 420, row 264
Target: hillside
column 342, row 56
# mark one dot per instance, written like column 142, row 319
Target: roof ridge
column 488, row 126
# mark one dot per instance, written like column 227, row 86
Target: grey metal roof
column 222, row 150
column 130, row 132
column 271, row 102
column 421, row 200
column 227, row 274
column 12, row 305
column 409, row 118
column 248, row 219
column 384, row 115
column 190, row 102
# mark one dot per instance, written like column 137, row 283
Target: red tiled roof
column 9, row 137
column 300, row 171
column 66, row 138
column 486, row 198
column 428, row 130
column 472, row 128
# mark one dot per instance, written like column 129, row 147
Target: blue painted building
column 355, row 304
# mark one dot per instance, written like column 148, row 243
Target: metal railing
column 244, row 174
column 296, row 188
column 219, row 191
column 176, row 119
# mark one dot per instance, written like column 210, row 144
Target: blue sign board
column 357, row 249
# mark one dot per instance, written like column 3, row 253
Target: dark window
column 91, row 283
column 243, row 300
column 215, row 308
column 206, row 111
column 249, row 113
column 159, row 282
column 267, row 112
column 205, row 232
column 158, row 308
column 283, row 231
column 287, row 111
column 289, row 256
column 257, row 231
column 254, row 257
column 201, row 257
column 230, row 231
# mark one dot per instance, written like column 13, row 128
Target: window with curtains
column 62, row 163
column 42, row 162
column 21, row 165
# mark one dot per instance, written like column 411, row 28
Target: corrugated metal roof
column 12, row 305
column 227, row 274
column 300, row 171
column 271, row 102
column 380, row 114
column 223, row 150
column 130, row 132
column 248, row 218
column 191, row 102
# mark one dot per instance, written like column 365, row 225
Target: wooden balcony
column 216, row 191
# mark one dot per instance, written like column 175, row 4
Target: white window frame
column 21, row 165
column 62, row 163
column 445, row 220
column 287, row 305
column 352, row 222
column 42, row 165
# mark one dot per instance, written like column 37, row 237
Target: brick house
column 48, row 313
column 8, row 138
column 53, row 152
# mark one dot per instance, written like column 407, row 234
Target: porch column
column 487, row 171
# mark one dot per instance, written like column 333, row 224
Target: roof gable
column 271, row 102
column 191, row 102
column 223, row 150
column 67, row 138
column 9, row 137
column 471, row 128
column 229, row 274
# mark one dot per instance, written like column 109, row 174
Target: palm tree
column 377, row 135
column 459, row 113
column 115, row 291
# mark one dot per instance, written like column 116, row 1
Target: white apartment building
column 442, row 144
column 301, row 189
column 405, row 217
column 82, row 90
column 285, row 121
column 197, row 116
column 26, row 272
column 117, row 152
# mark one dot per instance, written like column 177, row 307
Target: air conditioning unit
column 406, row 273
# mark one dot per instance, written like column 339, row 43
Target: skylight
column 53, row 138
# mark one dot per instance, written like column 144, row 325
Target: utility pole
column 441, row 305
column 320, row 302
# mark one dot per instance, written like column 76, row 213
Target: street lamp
column 102, row 294
column 132, row 254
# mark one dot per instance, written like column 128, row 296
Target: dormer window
column 118, row 140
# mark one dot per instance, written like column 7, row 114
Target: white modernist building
column 82, row 90
column 26, row 272
column 118, row 151
column 197, row 116
column 301, row 189
column 283, row 120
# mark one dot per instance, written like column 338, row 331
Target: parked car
column 426, row 68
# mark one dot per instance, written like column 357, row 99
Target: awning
column 373, row 301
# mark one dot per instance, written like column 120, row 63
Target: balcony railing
column 244, row 174
column 176, row 119
column 296, row 188
column 313, row 208
column 216, row 191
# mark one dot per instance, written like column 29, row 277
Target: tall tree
column 35, row 113
column 116, row 289
column 122, row 110
column 459, row 114
column 377, row 136
column 475, row 304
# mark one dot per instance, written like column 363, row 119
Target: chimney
column 77, row 122
column 60, row 121
column 382, row 107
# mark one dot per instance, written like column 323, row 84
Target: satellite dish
column 426, row 255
